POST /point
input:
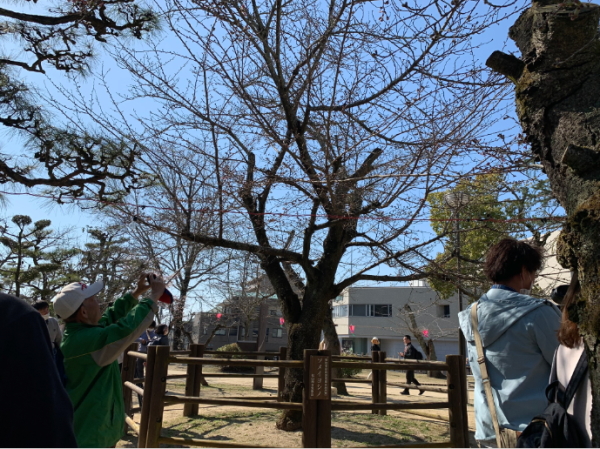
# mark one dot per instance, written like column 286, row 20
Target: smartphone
column 166, row 297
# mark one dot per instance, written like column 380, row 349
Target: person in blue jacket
column 519, row 336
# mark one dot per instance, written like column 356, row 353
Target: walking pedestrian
column 410, row 352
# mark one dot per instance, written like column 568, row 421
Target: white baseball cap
column 71, row 296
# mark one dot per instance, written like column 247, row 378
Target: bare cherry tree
column 329, row 121
column 178, row 199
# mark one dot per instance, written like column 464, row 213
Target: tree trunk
column 302, row 335
column 177, row 323
column 558, row 102
column 431, row 355
column 333, row 344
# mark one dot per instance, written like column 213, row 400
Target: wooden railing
column 317, row 404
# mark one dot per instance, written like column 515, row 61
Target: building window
column 275, row 312
column 382, row 309
column 443, row 311
column 276, row 333
column 358, row 310
column 377, row 310
column 221, row 332
column 233, row 332
column 340, row 311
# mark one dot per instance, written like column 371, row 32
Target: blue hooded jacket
column 519, row 336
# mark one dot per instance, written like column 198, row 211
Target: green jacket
column 93, row 378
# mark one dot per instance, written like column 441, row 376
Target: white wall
column 552, row 274
column 424, row 302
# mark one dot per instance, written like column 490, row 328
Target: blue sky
column 63, row 216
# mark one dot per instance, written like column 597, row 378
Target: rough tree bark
column 557, row 83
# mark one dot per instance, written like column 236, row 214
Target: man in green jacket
column 91, row 345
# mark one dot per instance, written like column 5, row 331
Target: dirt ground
column 256, row 427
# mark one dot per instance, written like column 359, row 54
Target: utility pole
column 456, row 201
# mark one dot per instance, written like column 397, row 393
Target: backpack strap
column 485, row 378
column 576, row 378
column 556, row 392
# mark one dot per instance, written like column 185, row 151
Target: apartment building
column 361, row 313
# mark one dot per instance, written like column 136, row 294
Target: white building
column 362, row 313
column 552, row 274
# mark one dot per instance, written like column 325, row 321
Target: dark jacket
column 410, row 352
column 160, row 340
column 375, row 348
column 36, row 411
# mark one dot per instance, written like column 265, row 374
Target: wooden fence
column 317, row 404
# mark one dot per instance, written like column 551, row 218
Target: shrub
column 233, row 347
column 349, row 372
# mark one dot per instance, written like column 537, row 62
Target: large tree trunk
column 558, row 103
column 333, row 344
column 303, row 334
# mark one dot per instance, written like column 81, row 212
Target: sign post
column 316, row 404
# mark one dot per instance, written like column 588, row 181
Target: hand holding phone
column 157, row 284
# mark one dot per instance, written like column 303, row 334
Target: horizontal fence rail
column 233, row 375
column 342, row 405
column 172, row 399
column 238, row 362
column 242, row 353
column 139, row 355
column 428, row 366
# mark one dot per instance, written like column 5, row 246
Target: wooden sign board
column 319, row 387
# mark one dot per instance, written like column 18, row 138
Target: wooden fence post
column 375, row 382
column 457, row 411
column 198, row 378
column 257, row 382
column 151, row 356
column 382, row 383
column 281, row 375
column 324, row 407
column 193, row 378
column 127, row 375
column 316, row 400
column 157, row 395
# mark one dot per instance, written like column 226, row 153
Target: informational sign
column 319, row 387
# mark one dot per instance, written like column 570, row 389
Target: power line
column 289, row 215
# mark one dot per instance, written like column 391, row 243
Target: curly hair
column 507, row 258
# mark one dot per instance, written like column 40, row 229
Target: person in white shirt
column 52, row 323
column 56, row 336
column 567, row 355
